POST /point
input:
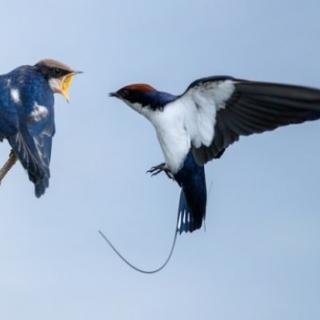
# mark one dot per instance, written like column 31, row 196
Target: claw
column 160, row 168
column 157, row 169
column 155, row 172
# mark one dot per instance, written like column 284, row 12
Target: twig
column 8, row 165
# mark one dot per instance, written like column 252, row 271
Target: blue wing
column 32, row 139
column 34, row 151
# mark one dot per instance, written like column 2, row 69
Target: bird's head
column 58, row 75
column 138, row 96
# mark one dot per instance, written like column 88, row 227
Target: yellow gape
column 65, row 85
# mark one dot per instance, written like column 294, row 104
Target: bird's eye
column 56, row 72
column 125, row 92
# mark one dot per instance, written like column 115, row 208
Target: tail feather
column 193, row 196
column 187, row 221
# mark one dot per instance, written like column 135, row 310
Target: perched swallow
column 198, row 125
column 27, row 116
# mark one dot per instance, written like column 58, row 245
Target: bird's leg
column 161, row 168
column 8, row 165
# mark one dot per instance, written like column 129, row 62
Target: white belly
column 173, row 137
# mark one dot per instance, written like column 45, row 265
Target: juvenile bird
column 27, row 116
column 198, row 125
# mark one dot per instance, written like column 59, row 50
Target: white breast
column 172, row 133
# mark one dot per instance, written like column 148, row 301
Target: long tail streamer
column 131, row 265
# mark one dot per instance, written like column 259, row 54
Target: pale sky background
column 260, row 255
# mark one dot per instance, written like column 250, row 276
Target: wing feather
column 242, row 108
column 27, row 122
column 33, row 157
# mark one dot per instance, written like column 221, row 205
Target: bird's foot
column 160, row 168
column 8, row 165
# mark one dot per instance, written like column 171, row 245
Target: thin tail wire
column 131, row 265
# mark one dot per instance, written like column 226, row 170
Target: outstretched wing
column 228, row 108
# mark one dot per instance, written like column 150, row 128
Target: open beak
column 65, row 84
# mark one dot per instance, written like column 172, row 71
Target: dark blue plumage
column 158, row 99
column 193, row 197
column 27, row 121
column 146, row 97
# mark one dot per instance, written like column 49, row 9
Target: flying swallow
column 198, row 125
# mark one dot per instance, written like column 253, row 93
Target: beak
column 66, row 82
column 114, row 94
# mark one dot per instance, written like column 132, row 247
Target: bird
column 201, row 123
column 27, row 116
